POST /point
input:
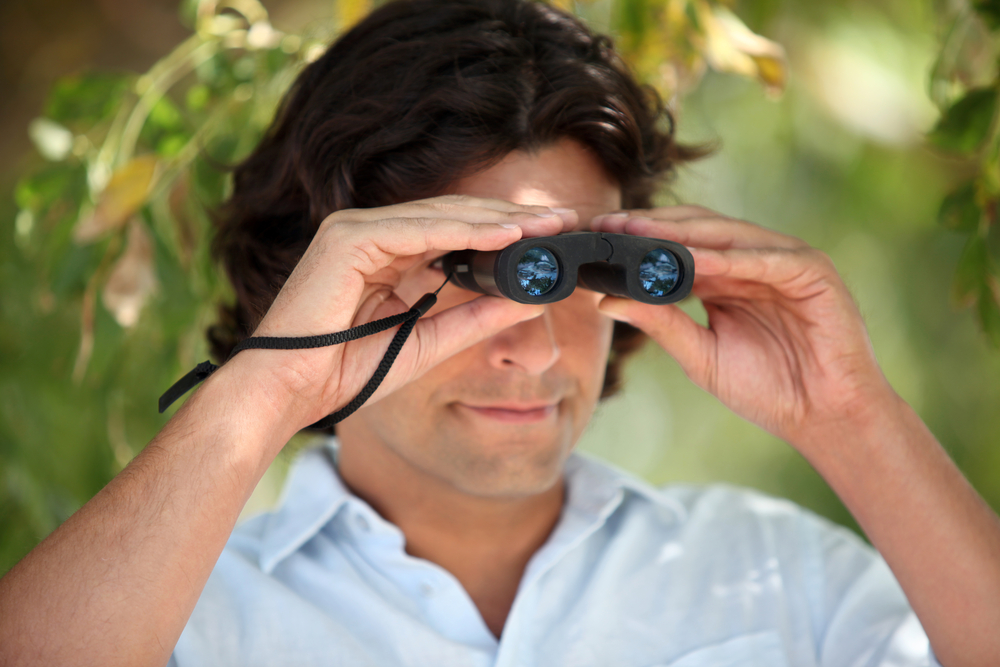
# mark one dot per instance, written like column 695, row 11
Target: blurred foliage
column 965, row 84
column 108, row 285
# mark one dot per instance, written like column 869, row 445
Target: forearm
column 940, row 538
column 116, row 583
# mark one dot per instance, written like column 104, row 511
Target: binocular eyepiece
column 548, row 268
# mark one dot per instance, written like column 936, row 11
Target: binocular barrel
column 549, row 268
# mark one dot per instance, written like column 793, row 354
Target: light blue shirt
column 632, row 576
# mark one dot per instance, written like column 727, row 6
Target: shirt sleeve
column 866, row 618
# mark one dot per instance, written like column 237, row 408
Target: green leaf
column 964, row 126
column 959, row 210
column 86, row 99
column 972, row 271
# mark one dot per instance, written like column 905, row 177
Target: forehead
column 565, row 174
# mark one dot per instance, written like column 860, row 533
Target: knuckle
column 813, row 255
column 334, row 228
column 823, row 259
column 689, row 211
column 330, row 221
column 367, row 255
column 425, row 224
column 343, row 215
column 443, row 205
column 385, row 225
column 384, row 228
column 454, row 200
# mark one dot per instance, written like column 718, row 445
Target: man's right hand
column 349, row 275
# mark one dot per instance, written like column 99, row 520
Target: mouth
column 512, row 413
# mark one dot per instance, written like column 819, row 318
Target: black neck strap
column 408, row 320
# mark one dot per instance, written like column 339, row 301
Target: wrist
column 868, row 420
column 245, row 404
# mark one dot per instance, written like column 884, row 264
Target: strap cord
column 405, row 321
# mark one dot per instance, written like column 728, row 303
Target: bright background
column 839, row 160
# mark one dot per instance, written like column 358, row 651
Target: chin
column 516, row 467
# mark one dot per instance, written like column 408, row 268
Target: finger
column 615, row 222
column 774, row 266
column 718, row 290
column 713, row 231
column 332, row 277
column 690, row 344
column 484, row 202
column 468, row 205
column 678, row 213
column 611, row 223
column 535, row 220
column 372, row 246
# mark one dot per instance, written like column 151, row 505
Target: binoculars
column 548, row 268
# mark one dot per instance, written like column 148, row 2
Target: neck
column 484, row 541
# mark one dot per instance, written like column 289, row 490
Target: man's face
column 500, row 418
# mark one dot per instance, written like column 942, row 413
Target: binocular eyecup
column 549, row 268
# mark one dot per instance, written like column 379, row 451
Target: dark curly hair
column 416, row 96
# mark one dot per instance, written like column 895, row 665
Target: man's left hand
column 785, row 346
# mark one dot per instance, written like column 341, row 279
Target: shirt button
column 427, row 590
column 361, row 523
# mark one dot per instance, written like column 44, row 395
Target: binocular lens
column 659, row 272
column 537, row 271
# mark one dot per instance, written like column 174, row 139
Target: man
column 451, row 524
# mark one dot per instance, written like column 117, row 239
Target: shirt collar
column 314, row 493
column 312, row 496
column 592, row 487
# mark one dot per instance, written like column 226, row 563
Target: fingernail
column 566, row 214
column 509, row 225
column 616, row 215
column 551, row 214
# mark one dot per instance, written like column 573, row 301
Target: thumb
column 436, row 338
column 689, row 343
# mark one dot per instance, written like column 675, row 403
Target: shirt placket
column 444, row 604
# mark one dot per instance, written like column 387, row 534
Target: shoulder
column 732, row 507
column 748, row 520
column 725, row 530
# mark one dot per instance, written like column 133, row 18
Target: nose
column 529, row 347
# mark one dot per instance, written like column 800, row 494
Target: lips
column 512, row 413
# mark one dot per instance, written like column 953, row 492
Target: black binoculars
column 548, row 268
